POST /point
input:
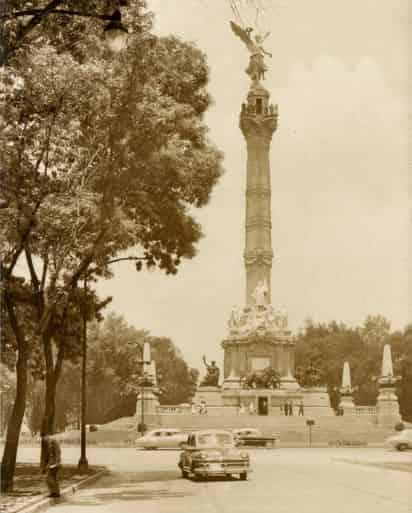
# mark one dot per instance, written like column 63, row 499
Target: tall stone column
column 258, row 121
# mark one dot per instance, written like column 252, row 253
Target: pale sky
column 340, row 204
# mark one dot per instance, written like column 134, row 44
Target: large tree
column 99, row 155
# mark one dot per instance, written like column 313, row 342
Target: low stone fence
column 365, row 410
column 213, row 411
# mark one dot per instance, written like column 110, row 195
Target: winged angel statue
column 257, row 68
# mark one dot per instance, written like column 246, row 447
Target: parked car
column 162, row 439
column 401, row 441
column 253, row 437
column 213, row 453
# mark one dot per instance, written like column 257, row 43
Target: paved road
column 283, row 481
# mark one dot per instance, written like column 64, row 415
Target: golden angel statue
column 257, row 68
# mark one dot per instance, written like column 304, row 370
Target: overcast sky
column 339, row 159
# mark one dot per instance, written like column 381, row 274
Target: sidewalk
column 30, row 489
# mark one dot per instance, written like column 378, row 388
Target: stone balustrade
column 365, row 410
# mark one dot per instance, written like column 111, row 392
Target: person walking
column 291, row 408
column 301, row 409
column 51, row 463
column 286, row 408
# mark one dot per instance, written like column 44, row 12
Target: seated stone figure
column 212, row 374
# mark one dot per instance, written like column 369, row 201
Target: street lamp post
column 310, row 423
column 83, row 464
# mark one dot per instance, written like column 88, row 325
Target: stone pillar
column 387, row 405
column 346, row 391
column 258, row 121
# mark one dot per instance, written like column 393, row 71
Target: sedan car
column 401, row 441
column 213, row 453
column 162, row 439
column 253, row 437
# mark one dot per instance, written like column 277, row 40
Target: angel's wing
column 266, row 36
column 240, row 32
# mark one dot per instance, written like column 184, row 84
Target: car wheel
column 402, row 447
column 243, row 476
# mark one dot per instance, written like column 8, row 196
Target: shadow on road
column 126, row 486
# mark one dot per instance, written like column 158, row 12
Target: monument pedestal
column 212, row 396
column 387, row 407
column 316, row 401
column 288, row 382
column 347, row 404
column 147, row 402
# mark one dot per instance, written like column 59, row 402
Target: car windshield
column 214, row 439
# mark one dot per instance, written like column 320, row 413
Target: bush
column 93, row 428
column 399, row 426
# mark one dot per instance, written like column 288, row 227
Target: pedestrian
column 51, row 463
column 301, row 408
column 291, row 408
column 251, row 408
column 286, row 408
column 203, row 408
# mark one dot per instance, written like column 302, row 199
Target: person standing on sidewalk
column 51, row 463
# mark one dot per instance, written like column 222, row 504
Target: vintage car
column 162, row 439
column 401, row 441
column 253, row 437
column 213, row 453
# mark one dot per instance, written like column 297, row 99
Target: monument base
column 147, row 402
column 347, row 405
column 316, row 401
column 212, row 396
column 387, row 407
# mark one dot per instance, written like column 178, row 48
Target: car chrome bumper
column 216, row 469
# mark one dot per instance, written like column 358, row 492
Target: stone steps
column 326, row 430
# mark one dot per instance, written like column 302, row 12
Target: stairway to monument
column 293, row 430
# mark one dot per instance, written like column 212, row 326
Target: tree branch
column 36, row 20
column 125, row 258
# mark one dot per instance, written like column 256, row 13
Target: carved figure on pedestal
column 212, row 374
column 268, row 378
column 235, row 319
column 259, row 294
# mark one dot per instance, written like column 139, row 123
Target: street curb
column 40, row 503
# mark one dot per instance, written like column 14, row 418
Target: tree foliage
column 115, row 349
column 328, row 346
column 99, row 155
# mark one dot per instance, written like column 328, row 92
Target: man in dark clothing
column 301, row 408
column 51, row 463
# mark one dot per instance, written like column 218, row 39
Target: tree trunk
column 8, row 463
column 53, row 373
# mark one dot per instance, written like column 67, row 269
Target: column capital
column 259, row 127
